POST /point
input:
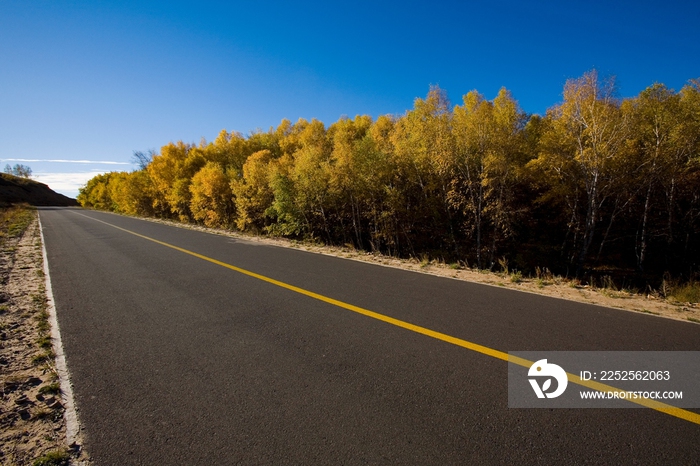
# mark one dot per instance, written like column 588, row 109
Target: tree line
column 19, row 170
column 598, row 184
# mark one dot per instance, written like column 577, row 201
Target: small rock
column 24, row 414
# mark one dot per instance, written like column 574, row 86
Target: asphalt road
column 176, row 360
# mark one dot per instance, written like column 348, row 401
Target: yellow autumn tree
column 423, row 145
column 171, row 172
column 252, row 192
column 132, row 193
column 489, row 144
column 211, row 197
column 96, row 194
column 582, row 151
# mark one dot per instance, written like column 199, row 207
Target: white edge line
column 70, row 414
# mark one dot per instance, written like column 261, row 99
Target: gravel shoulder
column 32, row 423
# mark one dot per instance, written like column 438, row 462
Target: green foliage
column 50, row 389
column 288, row 219
column 46, row 356
column 44, row 342
column 53, row 458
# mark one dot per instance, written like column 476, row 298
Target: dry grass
column 686, row 293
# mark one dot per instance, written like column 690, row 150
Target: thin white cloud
column 65, row 183
column 65, row 161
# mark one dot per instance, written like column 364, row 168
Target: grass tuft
column 516, row 276
column 43, row 357
column 686, row 293
column 50, row 389
column 424, row 261
column 44, row 342
column 53, row 458
column 503, row 262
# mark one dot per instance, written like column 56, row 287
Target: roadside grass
column 14, row 220
column 686, row 293
column 43, row 322
column 44, row 327
column 44, row 342
column 515, row 276
column 50, row 389
column 606, row 286
column 543, row 277
column 44, row 357
column 53, row 458
column 424, row 261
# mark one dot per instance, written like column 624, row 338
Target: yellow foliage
column 211, row 201
column 252, row 192
column 132, row 193
column 95, row 194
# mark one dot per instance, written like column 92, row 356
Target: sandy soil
column 31, row 407
column 545, row 285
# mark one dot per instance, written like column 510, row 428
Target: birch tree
column 582, row 148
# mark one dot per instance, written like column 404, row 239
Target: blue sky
column 89, row 82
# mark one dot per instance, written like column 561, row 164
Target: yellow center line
column 656, row 405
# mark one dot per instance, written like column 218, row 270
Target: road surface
column 179, row 354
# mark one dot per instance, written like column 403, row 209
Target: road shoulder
column 32, row 403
